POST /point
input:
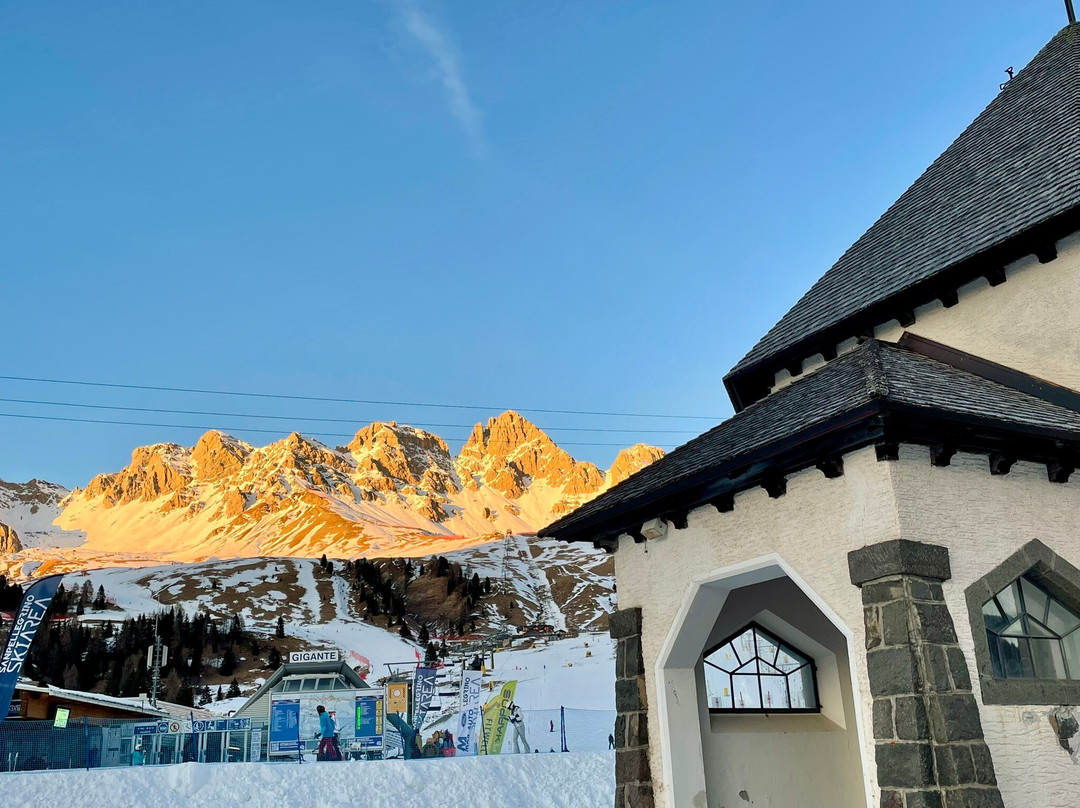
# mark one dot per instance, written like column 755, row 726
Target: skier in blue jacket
column 326, row 734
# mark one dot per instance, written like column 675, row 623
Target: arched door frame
column 676, row 682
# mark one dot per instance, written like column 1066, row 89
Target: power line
column 232, row 429
column 165, row 411
column 161, row 389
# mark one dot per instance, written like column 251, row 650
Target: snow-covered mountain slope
column 569, row 586
column 392, row 491
column 28, row 511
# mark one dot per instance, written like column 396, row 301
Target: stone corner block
column 899, row 557
column 625, row 623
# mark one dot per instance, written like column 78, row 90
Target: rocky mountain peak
column 511, row 452
column 402, row 455
column 218, row 455
column 630, row 461
column 154, row 471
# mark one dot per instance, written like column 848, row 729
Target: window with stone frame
column 1031, row 634
column 1022, row 675
column 753, row 671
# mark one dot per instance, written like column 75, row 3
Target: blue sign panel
column 14, row 709
column 147, row 729
column 369, row 722
column 163, row 726
column 284, row 725
column 239, row 724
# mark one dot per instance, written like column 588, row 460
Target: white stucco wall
column 1031, row 322
column 983, row 520
column 812, row 528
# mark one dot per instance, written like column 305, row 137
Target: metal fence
column 99, row 743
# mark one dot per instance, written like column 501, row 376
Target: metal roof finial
column 1070, row 12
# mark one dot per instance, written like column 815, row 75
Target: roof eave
column 880, row 422
column 738, row 473
column 752, row 382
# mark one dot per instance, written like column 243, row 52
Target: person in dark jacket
column 334, row 736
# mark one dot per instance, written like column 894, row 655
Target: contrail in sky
column 447, row 67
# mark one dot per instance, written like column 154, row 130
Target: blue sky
column 561, row 205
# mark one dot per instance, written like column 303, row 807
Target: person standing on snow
column 325, row 734
column 334, row 736
column 518, row 723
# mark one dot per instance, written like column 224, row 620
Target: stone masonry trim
column 633, row 776
column 928, row 734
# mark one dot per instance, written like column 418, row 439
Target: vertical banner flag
column 496, row 717
column 468, row 736
column 35, row 602
column 423, row 690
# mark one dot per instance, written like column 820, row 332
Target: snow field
column 522, row 781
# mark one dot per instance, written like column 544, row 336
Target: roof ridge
column 1007, row 186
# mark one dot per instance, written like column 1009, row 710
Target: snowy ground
column 577, row 673
column 528, row 781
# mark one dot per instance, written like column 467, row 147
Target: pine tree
column 228, row 662
column 404, row 630
column 322, row 561
column 280, row 630
column 205, row 697
column 100, row 601
column 274, row 659
column 234, row 689
column 220, row 695
column 423, row 636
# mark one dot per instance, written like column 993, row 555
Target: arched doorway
column 765, row 741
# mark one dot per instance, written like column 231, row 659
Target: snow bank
column 529, row 781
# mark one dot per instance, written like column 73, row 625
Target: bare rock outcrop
column 630, row 461
column 511, row 453
column 153, row 472
column 390, row 455
column 9, row 539
column 217, row 456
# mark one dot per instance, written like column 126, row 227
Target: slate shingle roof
column 1015, row 167
column 876, row 372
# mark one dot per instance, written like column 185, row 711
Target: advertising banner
column 284, row 726
column 423, row 690
column 496, row 717
column 369, row 722
column 35, row 602
column 468, row 734
column 255, row 754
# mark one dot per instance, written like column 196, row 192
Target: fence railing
column 102, row 743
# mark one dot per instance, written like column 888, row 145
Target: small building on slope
column 863, row 588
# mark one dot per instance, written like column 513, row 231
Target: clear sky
column 565, row 205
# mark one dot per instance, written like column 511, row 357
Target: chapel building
column 863, row 588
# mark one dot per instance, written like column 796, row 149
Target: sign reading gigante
column 315, row 656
